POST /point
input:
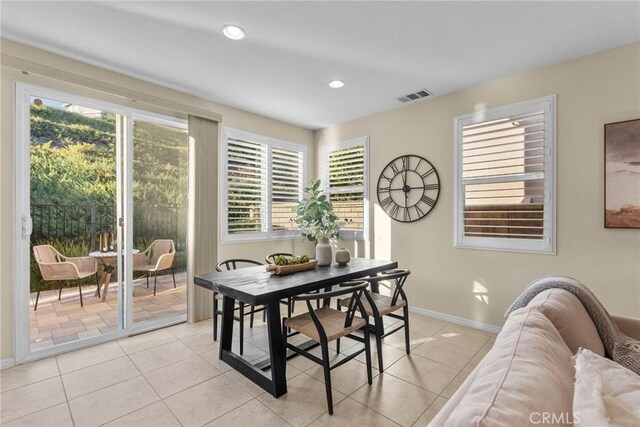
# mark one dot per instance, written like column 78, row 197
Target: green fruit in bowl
column 281, row 260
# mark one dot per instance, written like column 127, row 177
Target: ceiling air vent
column 416, row 95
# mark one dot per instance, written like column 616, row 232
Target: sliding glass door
column 101, row 219
column 160, row 174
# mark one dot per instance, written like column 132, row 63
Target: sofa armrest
column 628, row 326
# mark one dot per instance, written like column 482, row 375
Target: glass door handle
column 27, row 226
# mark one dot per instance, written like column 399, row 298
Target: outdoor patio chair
column 233, row 264
column 55, row 267
column 157, row 257
column 378, row 306
column 327, row 324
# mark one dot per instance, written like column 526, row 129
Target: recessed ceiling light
column 336, row 84
column 233, row 32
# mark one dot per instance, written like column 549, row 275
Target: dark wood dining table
column 256, row 286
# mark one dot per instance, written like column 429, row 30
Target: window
column 505, row 177
column 262, row 181
column 345, row 181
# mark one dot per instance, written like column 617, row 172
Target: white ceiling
column 383, row 50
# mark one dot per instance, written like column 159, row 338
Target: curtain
column 203, row 213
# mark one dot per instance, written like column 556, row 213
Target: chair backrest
column 46, row 254
column 398, row 277
column 235, row 263
column 51, row 264
column 271, row 258
column 161, row 247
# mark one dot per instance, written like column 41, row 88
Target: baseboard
column 457, row 320
column 7, row 363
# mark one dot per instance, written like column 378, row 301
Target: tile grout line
column 379, row 413
column 382, row 415
column 65, row 392
column 48, row 407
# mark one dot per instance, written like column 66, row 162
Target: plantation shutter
column 264, row 181
column 246, row 186
column 346, row 187
column 286, row 187
column 504, row 176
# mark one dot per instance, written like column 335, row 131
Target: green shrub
column 73, row 167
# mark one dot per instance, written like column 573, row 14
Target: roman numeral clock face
column 408, row 188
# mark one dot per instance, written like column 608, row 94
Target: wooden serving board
column 280, row 270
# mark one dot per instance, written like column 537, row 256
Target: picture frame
column 622, row 174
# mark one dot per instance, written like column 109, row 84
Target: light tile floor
column 173, row 377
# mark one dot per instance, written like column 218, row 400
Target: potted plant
column 317, row 221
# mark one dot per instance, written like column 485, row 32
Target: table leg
column 100, row 282
column 106, row 275
column 278, row 354
column 276, row 385
column 226, row 330
column 105, row 286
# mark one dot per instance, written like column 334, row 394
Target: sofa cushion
column 528, row 373
column 606, row 394
column 570, row 318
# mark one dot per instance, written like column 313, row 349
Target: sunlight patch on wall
column 382, row 233
column 480, row 292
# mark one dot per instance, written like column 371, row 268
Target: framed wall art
column 622, row 174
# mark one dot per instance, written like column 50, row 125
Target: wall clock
column 408, row 188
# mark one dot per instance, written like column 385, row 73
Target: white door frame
column 23, row 226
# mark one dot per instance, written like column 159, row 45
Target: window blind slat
column 346, row 176
column 502, row 171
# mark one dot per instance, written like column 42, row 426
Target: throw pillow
column 606, row 393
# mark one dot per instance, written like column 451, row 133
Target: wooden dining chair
column 378, row 306
column 290, row 303
column 271, row 259
column 233, row 264
column 326, row 324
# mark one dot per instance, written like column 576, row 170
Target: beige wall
column 592, row 91
column 231, row 117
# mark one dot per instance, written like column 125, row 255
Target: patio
column 56, row 322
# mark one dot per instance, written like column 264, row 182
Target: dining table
column 257, row 286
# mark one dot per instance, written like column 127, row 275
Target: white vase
column 323, row 252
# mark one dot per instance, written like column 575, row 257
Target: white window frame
column 546, row 245
column 267, row 233
column 363, row 140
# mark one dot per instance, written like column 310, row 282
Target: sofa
column 528, row 376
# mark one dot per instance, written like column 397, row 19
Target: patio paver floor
column 56, row 322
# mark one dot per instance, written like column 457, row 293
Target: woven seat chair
column 290, row 303
column 56, row 267
column 233, row 264
column 378, row 306
column 157, row 257
column 326, row 324
column 271, row 259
